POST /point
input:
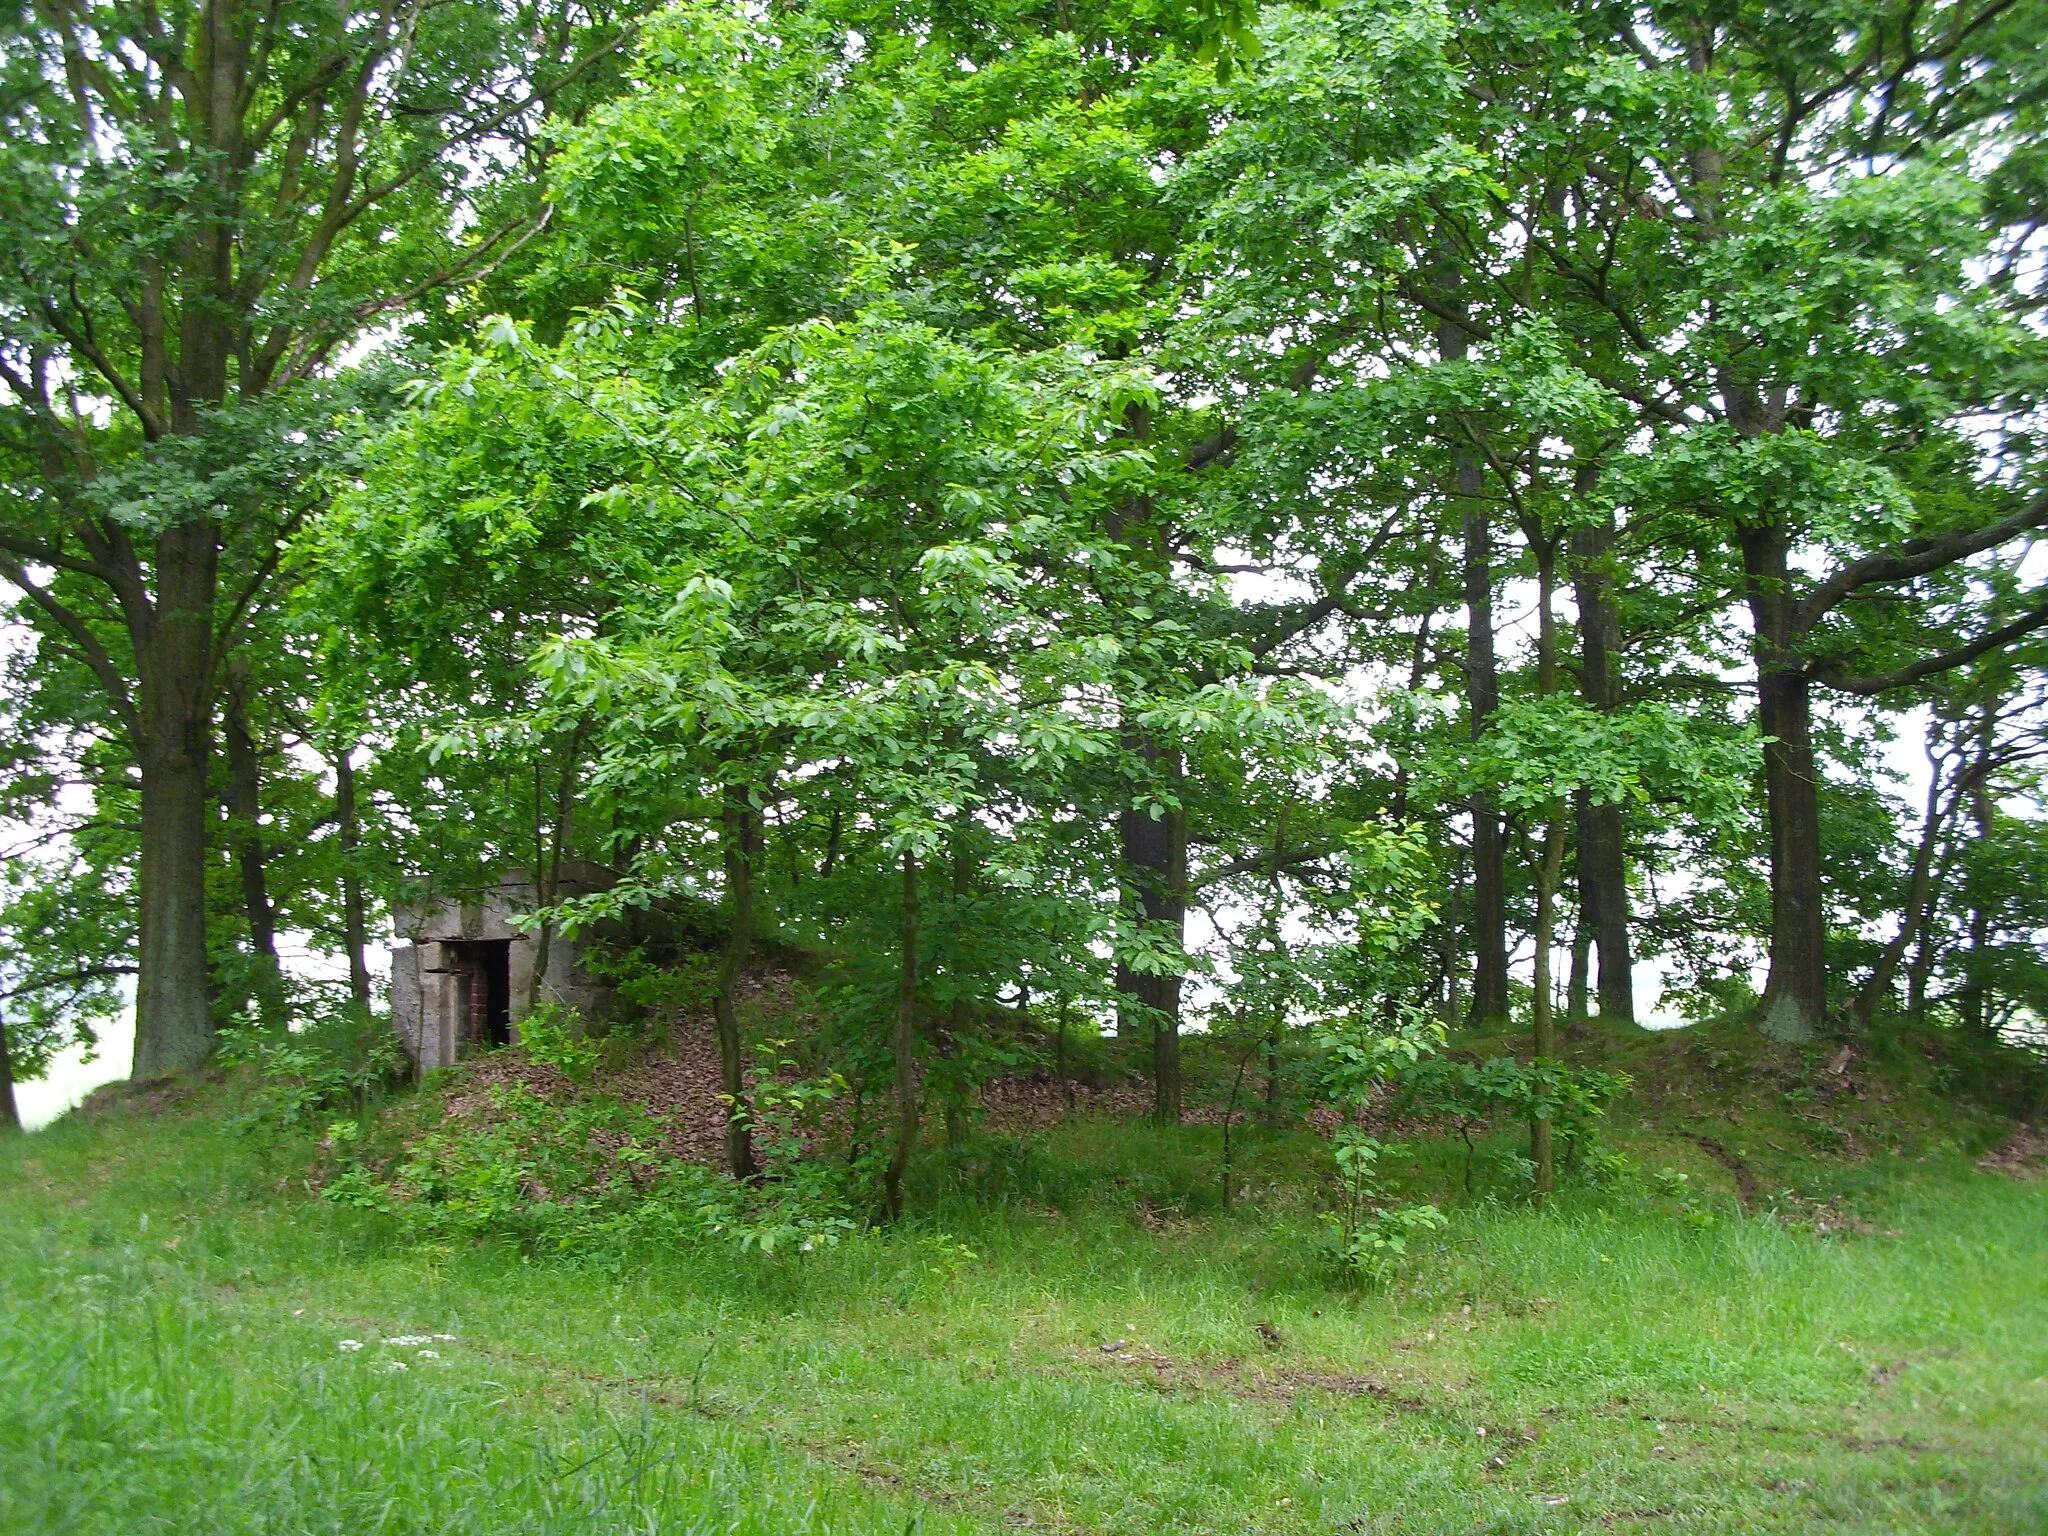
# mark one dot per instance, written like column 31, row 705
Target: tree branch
column 1917, row 558
column 90, row 650
column 69, row 979
column 2034, row 618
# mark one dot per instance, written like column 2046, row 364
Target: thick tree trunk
column 1603, row 866
column 1796, row 994
column 1549, row 870
column 903, row 1048
column 1489, row 922
column 173, row 1020
column 10, row 1113
column 1166, row 1078
column 355, row 931
column 1482, row 691
column 739, row 841
column 1155, row 852
column 553, row 843
column 1615, row 997
column 245, row 811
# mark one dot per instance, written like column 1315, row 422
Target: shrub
column 301, row 1076
column 591, row 1172
column 553, row 1035
column 1372, row 1234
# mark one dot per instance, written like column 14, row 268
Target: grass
column 1640, row 1357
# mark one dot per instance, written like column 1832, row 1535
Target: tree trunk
column 1603, row 866
column 1542, row 1149
column 903, row 1048
column 1919, row 885
column 1796, row 994
column 173, row 1020
column 1482, row 691
column 552, row 844
column 1549, row 870
column 1448, row 956
column 1155, row 853
column 956, row 1012
column 1971, row 1000
column 245, row 812
column 1166, row 1079
column 354, row 923
column 10, row 1113
column 1151, row 850
column 1273, row 1072
column 1921, row 971
column 738, row 838
column 1578, row 984
column 1616, row 994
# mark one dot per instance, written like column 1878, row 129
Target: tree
column 204, row 205
column 1759, row 228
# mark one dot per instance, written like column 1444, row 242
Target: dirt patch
column 148, row 1096
column 679, row 1084
column 1259, row 1381
column 1824, row 1217
column 2024, row 1155
column 1747, row 1189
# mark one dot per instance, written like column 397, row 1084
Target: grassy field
column 1071, row 1338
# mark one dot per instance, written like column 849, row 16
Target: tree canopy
column 1231, row 518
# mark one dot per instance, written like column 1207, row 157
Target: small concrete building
column 462, row 976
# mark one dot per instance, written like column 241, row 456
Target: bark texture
column 740, row 841
column 245, row 821
column 1489, row 919
column 1603, row 863
column 174, row 1027
column 354, row 922
column 10, row 1113
column 1796, row 994
column 903, row 1048
column 1155, row 854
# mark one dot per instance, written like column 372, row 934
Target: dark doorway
column 487, row 990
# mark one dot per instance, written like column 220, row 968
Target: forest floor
column 1836, row 1320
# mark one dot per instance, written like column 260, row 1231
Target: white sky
column 71, row 1077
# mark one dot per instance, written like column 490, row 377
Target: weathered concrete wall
column 405, row 997
column 435, row 969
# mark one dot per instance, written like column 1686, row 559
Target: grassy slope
column 171, row 1306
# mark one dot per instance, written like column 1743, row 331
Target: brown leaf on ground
column 2023, row 1156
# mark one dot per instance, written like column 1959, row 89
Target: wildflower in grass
column 430, row 1354
column 394, row 1365
column 349, row 1346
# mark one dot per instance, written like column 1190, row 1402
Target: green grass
column 171, row 1307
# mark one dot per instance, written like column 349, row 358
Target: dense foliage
column 1285, row 521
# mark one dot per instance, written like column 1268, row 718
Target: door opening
column 487, row 991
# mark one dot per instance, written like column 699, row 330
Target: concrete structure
column 462, row 975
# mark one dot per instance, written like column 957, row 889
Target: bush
column 1573, row 1100
column 303, row 1076
column 554, row 1035
column 591, row 1172
column 1371, row 1234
